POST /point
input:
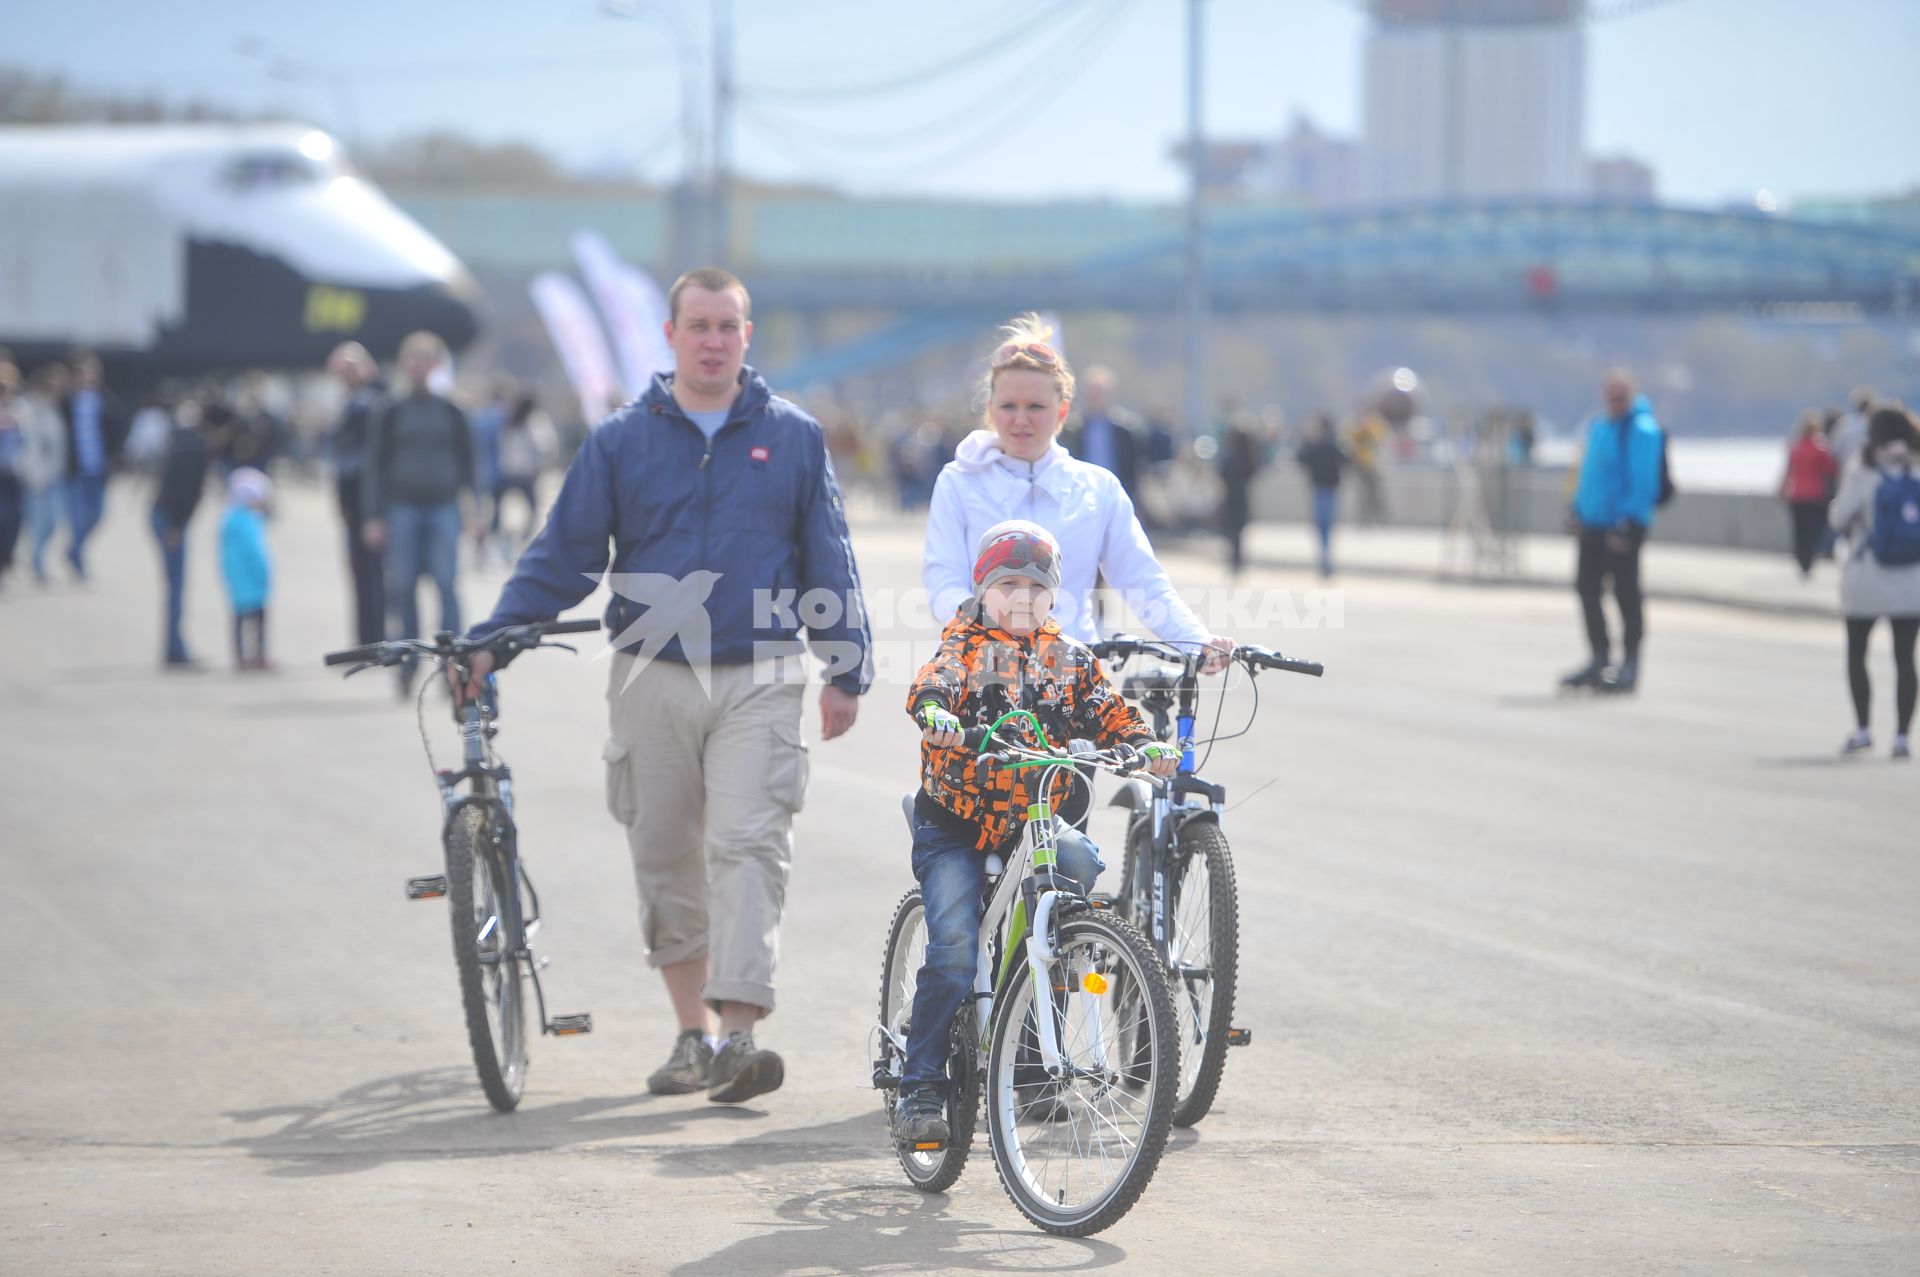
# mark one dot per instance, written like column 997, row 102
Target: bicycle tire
column 492, row 986
column 1133, row 971
column 1203, row 845
column 899, row 968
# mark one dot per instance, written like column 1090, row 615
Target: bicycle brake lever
column 568, row 647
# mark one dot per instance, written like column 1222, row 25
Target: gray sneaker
column 920, row 1121
column 688, row 1069
column 742, row 1070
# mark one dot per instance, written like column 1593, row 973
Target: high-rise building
column 1475, row 100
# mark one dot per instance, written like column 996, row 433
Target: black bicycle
column 1177, row 885
column 495, row 910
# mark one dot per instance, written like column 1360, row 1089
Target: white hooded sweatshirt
column 1085, row 509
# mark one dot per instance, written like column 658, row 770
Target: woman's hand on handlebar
column 1216, row 654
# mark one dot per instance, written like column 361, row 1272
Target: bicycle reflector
column 1093, row 982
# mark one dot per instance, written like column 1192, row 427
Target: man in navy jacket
column 726, row 529
column 1612, row 513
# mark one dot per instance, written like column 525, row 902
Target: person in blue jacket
column 1612, row 513
column 727, row 538
column 246, row 563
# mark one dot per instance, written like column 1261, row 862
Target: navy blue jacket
column 727, row 543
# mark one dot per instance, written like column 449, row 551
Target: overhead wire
column 917, row 133
column 1024, row 106
column 827, row 86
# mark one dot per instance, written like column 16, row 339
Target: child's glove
column 938, row 726
column 1162, row 759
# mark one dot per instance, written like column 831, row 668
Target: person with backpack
column 1623, row 477
column 1878, row 510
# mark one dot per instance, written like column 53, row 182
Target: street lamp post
column 1196, row 299
column 690, row 204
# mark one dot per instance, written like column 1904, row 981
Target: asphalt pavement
column 1537, row 984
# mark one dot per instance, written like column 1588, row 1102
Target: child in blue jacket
column 247, row 564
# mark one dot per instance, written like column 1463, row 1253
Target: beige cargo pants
column 706, row 786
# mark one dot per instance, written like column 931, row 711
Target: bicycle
column 1177, row 883
column 1080, row 1095
column 493, row 926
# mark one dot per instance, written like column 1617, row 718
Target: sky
column 996, row 99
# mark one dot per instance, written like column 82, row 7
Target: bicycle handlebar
column 1122, row 646
column 454, row 647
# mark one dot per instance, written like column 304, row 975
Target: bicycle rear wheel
column 492, row 986
column 1203, row 951
column 1075, row 1152
column 931, row 1171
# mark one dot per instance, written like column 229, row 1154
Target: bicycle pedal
column 1239, row 1037
column 431, row 887
column 564, row 1026
column 1100, row 902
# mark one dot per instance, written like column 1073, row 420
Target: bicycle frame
column 1186, row 797
column 491, row 791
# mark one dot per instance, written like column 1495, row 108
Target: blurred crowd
column 440, row 459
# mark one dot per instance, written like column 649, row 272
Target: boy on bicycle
column 1001, row 652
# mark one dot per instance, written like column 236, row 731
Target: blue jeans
column 951, row 875
column 44, row 509
column 173, row 558
column 86, row 503
column 1326, row 503
column 422, row 540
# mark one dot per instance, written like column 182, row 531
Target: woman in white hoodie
column 1015, row 468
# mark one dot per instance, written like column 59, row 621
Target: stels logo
column 760, row 454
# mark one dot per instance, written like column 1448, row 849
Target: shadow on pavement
column 440, row 1113
column 852, row 1139
column 874, row 1228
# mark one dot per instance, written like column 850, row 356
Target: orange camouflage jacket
column 980, row 673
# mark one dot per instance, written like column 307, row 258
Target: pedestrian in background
column 1613, row 504
column 184, row 457
column 1878, row 510
column 44, row 463
column 524, row 443
column 354, row 369
column 419, row 465
column 246, row 563
column 96, row 427
column 1366, row 445
column 13, row 454
column 1323, row 462
column 1105, row 435
column 1240, row 461
column 1808, row 487
column 1849, row 433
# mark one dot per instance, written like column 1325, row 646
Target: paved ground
column 1536, row 984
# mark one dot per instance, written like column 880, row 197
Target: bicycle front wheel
column 930, row 1170
column 492, row 986
column 1075, row 1149
column 1203, row 951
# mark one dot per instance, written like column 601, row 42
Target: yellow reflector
column 1094, row 982
column 923, row 1148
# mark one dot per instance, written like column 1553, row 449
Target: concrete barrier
column 1530, row 501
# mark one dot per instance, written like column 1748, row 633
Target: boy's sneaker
column 1901, row 749
column 742, row 1070
column 1857, row 743
column 921, row 1118
column 688, row 1069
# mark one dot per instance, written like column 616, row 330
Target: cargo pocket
column 620, row 800
column 788, row 767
